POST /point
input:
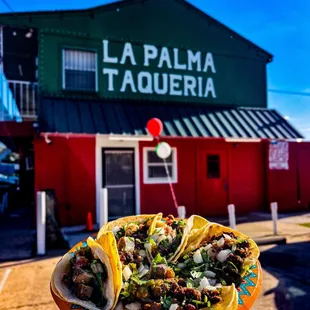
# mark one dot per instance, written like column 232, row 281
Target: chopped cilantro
column 135, row 278
column 235, row 267
column 167, row 302
column 165, row 243
column 197, row 302
column 189, row 283
column 196, row 274
column 125, row 294
column 158, row 259
column 224, row 283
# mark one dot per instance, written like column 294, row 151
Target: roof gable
column 125, row 3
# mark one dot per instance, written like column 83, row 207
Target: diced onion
column 174, row 307
column 143, row 271
column 181, row 265
column 127, row 273
column 227, row 237
column 160, row 231
column 141, row 268
column 212, row 282
column 133, row 306
column 234, row 248
column 197, row 257
column 155, row 237
column 169, row 238
column 115, row 230
column 220, row 242
column 209, row 274
column 222, row 255
column 148, row 246
column 203, row 283
column 207, row 247
column 130, row 244
column 210, row 288
column 142, row 253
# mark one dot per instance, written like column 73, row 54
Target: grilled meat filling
column 87, row 277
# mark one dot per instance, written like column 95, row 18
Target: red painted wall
column 246, row 175
column 291, row 188
column 68, row 167
column 157, row 197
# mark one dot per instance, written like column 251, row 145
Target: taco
column 85, row 277
column 171, row 235
column 221, row 254
column 160, row 286
column 130, row 234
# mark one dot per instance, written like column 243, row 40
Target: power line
column 287, row 92
column 7, row 5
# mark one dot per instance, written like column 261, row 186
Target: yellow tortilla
column 193, row 225
column 230, row 299
column 129, row 219
column 108, row 242
column 64, row 266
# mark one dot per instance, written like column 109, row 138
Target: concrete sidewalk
column 287, row 227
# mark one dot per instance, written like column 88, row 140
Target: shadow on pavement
column 290, row 264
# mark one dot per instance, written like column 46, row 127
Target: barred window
column 79, row 70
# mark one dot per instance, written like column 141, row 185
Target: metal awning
column 98, row 117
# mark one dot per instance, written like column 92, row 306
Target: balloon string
column 169, row 181
column 171, row 186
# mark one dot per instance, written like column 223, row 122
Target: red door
column 304, row 178
column 212, row 182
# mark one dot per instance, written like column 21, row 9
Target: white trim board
column 102, row 141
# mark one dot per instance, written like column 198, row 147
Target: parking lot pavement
column 27, row 285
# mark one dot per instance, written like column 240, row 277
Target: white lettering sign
column 178, row 82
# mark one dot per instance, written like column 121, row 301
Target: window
column 154, row 167
column 79, row 70
column 213, row 166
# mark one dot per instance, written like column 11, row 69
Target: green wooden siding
column 240, row 77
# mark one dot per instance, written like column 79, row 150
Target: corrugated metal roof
column 91, row 117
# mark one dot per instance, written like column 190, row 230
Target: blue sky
column 280, row 27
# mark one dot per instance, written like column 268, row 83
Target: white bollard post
column 103, row 207
column 274, row 216
column 181, row 212
column 232, row 216
column 41, row 223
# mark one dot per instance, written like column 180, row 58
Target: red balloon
column 155, row 127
